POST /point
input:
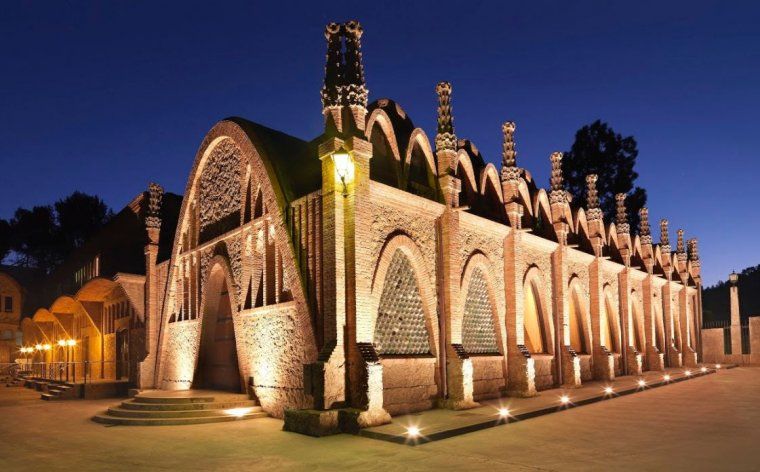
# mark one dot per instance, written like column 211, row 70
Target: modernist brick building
column 91, row 310
column 374, row 271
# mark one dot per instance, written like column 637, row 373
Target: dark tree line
column 598, row 149
column 716, row 302
column 42, row 237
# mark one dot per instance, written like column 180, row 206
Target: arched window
column 636, row 333
column 535, row 336
column 419, row 181
column 577, row 340
column 401, row 328
column 382, row 166
column 478, row 333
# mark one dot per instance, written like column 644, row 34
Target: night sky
column 106, row 97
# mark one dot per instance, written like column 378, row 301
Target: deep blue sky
column 105, row 97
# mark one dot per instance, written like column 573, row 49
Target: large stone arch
column 410, row 381
column 257, row 151
column 479, row 267
column 637, row 337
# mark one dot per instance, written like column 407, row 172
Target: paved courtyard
column 709, row 423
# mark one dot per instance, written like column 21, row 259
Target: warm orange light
column 61, row 342
column 608, row 390
column 38, row 347
column 564, row 399
column 666, row 377
column 703, row 369
column 71, row 342
column 413, row 431
column 238, row 412
column 642, row 383
column 503, row 412
column 47, row 347
column 688, row 373
column 717, row 366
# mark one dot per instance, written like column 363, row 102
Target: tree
column 599, row 150
column 45, row 235
column 35, row 238
column 79, row 217
column 5, row 239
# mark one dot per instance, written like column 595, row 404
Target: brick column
column 736, row 330
column 148, row 368
column 633, row 358
column 521, row 370
column 687, row 336
column 568, row 361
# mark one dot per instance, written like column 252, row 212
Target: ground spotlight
column 413, row 432
column 688, row 373
column 717, row 366
column 504, row 412
column 608, row 390
column 666, row 377
column 564, row 399
column 642, row 383
column 703, row 369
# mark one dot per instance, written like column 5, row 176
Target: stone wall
column 409, row 384
column 488, row 377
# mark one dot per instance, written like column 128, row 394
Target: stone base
column 521, row 380
column 655, row 360
column 675, row 358
column 604, row 366
column 689, row 358
column 571, row 368
column 453, row 404
column 633, row 361
column 352, row 420
column 312, row 422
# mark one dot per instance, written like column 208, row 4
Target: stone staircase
column 160, row 408
column 59, row 391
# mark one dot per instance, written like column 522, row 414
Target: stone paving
column 708, row 423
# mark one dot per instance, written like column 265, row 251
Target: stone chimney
column 594, row 215
column 645, row 238
column 558, row 198
column 446, row 147
column 623, row 228
column 510, row 176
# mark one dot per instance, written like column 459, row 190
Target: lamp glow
column 61, row 342
column 666, row 377
column 703, row 369
column 564, row 399
column 343, row 168
column 717, row 366
column 642, row 383
column 503, row 412
column 71, row 342
column 608, row 390
column 47, row 347
column 238, row 412
column 38, row 347
column 413, row 431
column 688, row 373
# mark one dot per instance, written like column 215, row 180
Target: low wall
column 544, row 364
column 487, row 377
column 408, row 384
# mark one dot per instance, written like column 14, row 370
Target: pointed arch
column 419, row 166
column 480, row 318
column 537, row 323
column 579, row 321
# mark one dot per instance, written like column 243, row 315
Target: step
column 134, row 405
column 127, row 413
column 49, row 396
column 143, row 398
column 112, row 420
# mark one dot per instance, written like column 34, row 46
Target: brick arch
column 534, row 280
column 405, row 244
column 256, row 155
column 581, row 295
column 477, row 261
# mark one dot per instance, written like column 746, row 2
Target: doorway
column 217, row 367
column 122, row 354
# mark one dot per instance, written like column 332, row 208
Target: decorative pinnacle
column 644, row 231
column 556, row 178
column 509, row 169
column 155, row 197
column 333, row 67
column 355, row 90
column 445, row 139
column 621, row 218
column 592, row 199
column 664, row 238
column 680, row 250
column 693, row 252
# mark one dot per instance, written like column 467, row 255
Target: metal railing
column 716, row 324
column 75, row 372
column 745, row 339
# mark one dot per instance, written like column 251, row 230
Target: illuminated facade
column 373, row 271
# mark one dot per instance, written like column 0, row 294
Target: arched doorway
column 217, row 366
column 535, row 334
column 576, row 324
